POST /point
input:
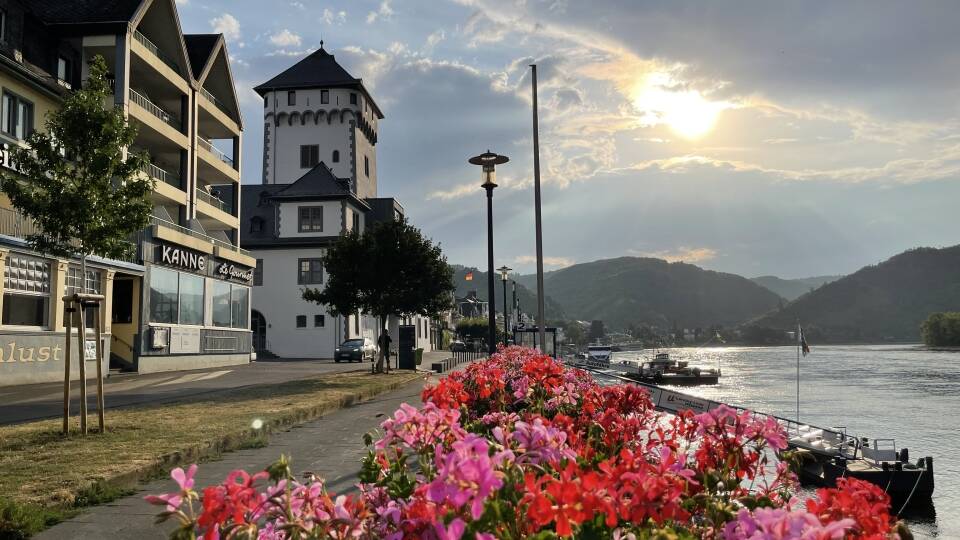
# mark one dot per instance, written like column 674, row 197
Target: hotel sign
column 229, row 271
column 6, row 161
column 182, row 258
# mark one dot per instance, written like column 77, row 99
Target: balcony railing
column 190, row 232
column 153, row 171
column 145, row 41
column 154, row 109
column 208, row 146
column 212, row 200
column 213, row 99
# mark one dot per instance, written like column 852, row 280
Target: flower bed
column 519, row 446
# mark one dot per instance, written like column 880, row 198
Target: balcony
column 212, row 200
column 150, row 46
column 155, row 109
column 213, row 99
column 209, row 147
column 157, row 173
column 199, row 236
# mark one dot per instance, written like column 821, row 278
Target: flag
column 468, row 277
column 803, row 343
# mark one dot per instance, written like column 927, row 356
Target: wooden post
column 66, row 370
column 99, row 331
column 82, row 353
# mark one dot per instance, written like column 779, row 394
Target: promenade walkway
column 330, row 447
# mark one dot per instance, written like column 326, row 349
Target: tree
column 79, row 184
column 942, row 329
column 597, row 332
column 390, row 269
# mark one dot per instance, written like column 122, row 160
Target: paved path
column 38, row 401
column 330, row 447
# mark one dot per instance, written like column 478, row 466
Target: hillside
column 791, row 289
column 885, row 302
column 654, row 292
column 527, row 296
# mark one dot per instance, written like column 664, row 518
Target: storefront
column 196, row 305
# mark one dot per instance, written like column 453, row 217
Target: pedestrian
column 384, row 343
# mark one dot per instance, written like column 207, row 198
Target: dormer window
column 63, row 69
column 256, row 224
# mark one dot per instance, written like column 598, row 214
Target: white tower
column 315, row 111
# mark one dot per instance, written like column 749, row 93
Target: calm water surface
column 901, row 392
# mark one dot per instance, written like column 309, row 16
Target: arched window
column 336, row 156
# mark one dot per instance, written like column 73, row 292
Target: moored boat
column 664, row 370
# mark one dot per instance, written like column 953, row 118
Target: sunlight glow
column 661, row 99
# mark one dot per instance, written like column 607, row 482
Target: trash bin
column 418, row 353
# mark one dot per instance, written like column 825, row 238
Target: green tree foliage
column 390, row 269
column 82, row 189
column 942, row 329
column 473, row 328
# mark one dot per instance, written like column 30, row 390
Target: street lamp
column 489, row 161
column 504, row 277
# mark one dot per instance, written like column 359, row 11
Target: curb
column 233, row 441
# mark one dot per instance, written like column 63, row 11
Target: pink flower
column 782, row 524
column 465, row 475
column 174, row 500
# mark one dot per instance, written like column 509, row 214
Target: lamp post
column 504, row 276
column 489, row 161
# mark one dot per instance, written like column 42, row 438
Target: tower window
column 266, row 101
column 291, row 97
column 256, row 224
column 309, row 155
column 324, row 96
column 336, row 156
column 353, row 98
column 366, row 166
column 301, row 321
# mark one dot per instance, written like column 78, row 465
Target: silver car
column 355, row 350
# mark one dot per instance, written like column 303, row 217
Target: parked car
column 355, row 350
column 458, row 346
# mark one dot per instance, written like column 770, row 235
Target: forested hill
column 885, row 302
column 635, row 290
column 527, row 296
column 791, row 289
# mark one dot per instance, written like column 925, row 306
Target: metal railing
column 153, row 171
column 154, row 109
column 190, row 232
column 209, row 147
column 213, row 99
column 212, row 199
column 13, row 223
column 152, row 47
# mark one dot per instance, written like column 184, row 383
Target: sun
column 662, row 100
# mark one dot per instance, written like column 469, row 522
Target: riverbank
column 48, row 478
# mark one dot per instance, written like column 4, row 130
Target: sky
column 753, row 137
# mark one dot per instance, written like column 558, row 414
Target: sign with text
column 227, row 270
column 180, row 257
column 6, row 161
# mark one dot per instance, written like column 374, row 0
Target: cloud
column 384, row 12
column 553, row 262
column 434, row 38
column 680, row 254
column 329, row 17
column 285, row 38
column 226, row 24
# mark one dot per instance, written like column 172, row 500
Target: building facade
column 182, row 299
column 319, row 183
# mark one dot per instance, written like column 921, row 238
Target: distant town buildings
column 319, row 183
column 182, row 298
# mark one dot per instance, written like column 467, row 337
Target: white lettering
column 182, row 258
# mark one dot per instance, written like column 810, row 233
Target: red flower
column 861, row 501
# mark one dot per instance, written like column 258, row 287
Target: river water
column 885, row 391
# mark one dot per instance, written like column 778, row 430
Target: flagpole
column 799, row 339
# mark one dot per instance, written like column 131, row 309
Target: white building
column 319, row 182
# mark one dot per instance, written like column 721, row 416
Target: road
column 39, row 401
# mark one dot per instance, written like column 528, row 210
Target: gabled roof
column 318, row 181
column 199, row 50
column 84, row 11
column 318, row 70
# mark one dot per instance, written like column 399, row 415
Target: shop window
column 26, row 297
column 17, row 116
column 319, row 321
column 240, row 302
column 301, row 321
column 191, row 299
column 164, row 290
column 222, row 311
column 258, row 273
column 310, row 272
column 73, row 286
column 310, row 219
column 231, row 305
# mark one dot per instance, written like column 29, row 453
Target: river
column 882, row 391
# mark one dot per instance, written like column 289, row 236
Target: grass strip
column 47, row 476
